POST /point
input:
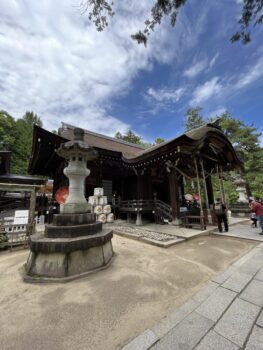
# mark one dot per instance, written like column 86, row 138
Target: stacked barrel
column 100, row 206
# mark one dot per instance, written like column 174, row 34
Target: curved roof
column 207, row 139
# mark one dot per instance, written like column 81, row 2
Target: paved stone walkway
column 226, row 314
column 243, row 231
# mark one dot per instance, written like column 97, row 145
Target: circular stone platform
column 67, row 251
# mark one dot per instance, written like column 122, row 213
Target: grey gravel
column 138, row 232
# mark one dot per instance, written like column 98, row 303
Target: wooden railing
column 160, row 209
column 163, row 212
column 142, row 205
column 192, row 221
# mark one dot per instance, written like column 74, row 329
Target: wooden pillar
column 149, row 189
column 31, row 216
column 140, row 178
column 182, row 180
column 221, row 185
column 122, row 188
column 174, row 195
column 210, row 193
column 209, row 217
column 139, row 186
column 198, row 186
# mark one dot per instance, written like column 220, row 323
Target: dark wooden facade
column 138, row 174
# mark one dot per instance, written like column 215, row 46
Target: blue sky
column 55, row 63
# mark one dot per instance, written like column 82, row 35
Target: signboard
column 21, row 217
column 62, row 194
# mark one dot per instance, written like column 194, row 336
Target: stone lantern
column 77, row 153
column 240, row 208
column 74, row 245
column 241, row 189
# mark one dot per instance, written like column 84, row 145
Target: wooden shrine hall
column 148, row 182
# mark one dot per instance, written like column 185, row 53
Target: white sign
column 21, row 217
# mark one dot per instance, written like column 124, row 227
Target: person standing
column 221, row 215
column 257, row 208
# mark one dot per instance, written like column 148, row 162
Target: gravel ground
column 138, row 232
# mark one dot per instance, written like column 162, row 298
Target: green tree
column 16, row 136
column 24, row 129
column 245, row 139
column 129, row 137
column 133, row 138
column 193, row 118
column 159, row 140
column 99, row 11
column 8, row 133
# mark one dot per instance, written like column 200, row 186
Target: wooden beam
column 17, row 187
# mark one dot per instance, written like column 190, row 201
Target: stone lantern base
column 240, row 210
column 72, row 247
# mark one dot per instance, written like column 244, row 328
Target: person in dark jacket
column 221, row 214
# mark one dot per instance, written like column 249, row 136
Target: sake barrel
column 110, row 217
column 102, row 218
column 102, row 200
column 98, row 209
column 94, row 200
column 98, row 191
column 106, row 209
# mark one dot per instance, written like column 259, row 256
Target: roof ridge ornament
column 215, row 123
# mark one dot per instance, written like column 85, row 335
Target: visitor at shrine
column 221, row 214
column 257, row 208
column 253, row 215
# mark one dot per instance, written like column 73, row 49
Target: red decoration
column 196, row 197
column 62, row 194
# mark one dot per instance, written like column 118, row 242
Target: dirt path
column 107, row 309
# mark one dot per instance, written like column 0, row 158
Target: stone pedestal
column 72, row 247
column 240, row 210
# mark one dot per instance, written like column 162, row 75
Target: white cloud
column 206, row 91
column 195, row 69
column 200, row 66
column 213, row 61
column 55, row 63
column 217, row 112
column 253, row 73
column 166, row 95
